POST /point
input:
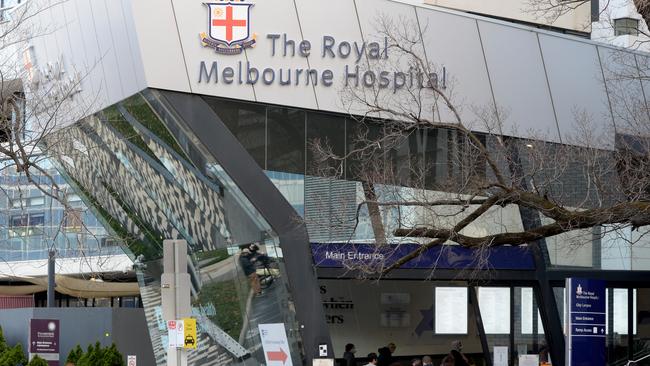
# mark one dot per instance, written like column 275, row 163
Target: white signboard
column 132, row 360
column 500, row 356
column 451, row 310
column 528, row 360
column 275, row 344
column 176, row 333
column 323, row 362
column 494, row 303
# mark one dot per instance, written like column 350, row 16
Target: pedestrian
column 457, row 354
column 385, row 357
column 372, row 359
column 416, row 362
column 447, row 361
column 250, row 271
column 348, row 355
column 427, row 361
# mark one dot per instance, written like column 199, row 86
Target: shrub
column 74, row 355
column 37, row 361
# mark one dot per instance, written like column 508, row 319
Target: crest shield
column 229, row 22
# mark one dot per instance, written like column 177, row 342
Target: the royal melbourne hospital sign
column 229, row 33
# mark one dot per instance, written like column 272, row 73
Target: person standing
column 457, row 354
column 348, row 355
column 385, row 357
column 250, row 270
column 372, row 359
column 427, row 361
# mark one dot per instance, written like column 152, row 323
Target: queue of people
column 384, row 357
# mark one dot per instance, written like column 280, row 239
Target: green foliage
column 98, row 356
column 13, row 356
column 37, row 361
column 74, row 355
column 226, row 301
column 112, row 357
column 3, row 342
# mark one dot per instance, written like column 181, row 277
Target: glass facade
column 152, row 177
column 34, row 222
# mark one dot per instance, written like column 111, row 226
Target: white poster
column 175, row 333
column 528, row 360
column 275, row 344
column 323, row 362
column 451, row 310
column 494, row 303
column 500, row 356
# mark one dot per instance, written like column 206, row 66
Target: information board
column 585, row 322
column 451, row 310
column 44, row 340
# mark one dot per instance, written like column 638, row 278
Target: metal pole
column 175, row 292
column 50, row 278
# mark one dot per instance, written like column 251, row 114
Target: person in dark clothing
column 247, row 263
column 459, row 359
column 385, row 357
column 348, row 355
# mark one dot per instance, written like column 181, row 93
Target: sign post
column 585, row 322
column 44, row 340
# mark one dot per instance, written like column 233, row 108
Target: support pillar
column 175, row 292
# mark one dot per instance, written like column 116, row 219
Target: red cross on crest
column 229, row 22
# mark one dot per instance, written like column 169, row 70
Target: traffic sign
column 132, row 360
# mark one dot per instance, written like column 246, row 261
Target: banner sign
column 348, row 255
column 585, row 322
column 176, row 333
column 44, row 340
column 189, row 339
column 275, row 344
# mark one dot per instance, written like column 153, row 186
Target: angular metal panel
column 518, row 81
column 576, row 80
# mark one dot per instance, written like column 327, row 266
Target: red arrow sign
column 277, row 356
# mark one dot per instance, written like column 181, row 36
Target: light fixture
column 530, row 146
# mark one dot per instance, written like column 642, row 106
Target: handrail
column 635, row 361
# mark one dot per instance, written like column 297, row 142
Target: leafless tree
column 37, row 99
column 470, row 197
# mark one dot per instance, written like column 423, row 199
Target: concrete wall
column 124, row 327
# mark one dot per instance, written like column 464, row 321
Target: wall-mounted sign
column 349, row 255
column 44, row 340
column 228, row 27
column 585, row 322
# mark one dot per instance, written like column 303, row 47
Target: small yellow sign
column 189, row 339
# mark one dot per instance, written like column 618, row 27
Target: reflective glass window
column 286, row 140
column 247, row 121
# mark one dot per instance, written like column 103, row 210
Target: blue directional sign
column 585, row 322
